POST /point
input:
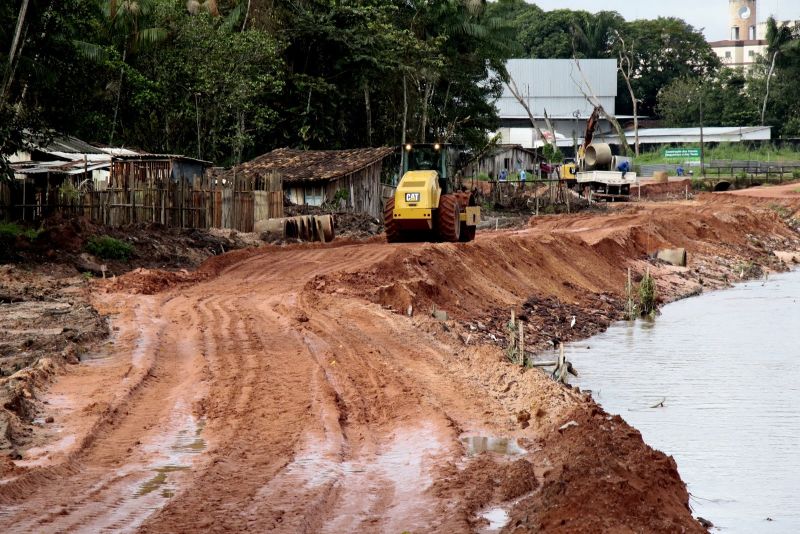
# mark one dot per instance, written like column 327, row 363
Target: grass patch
column 14, row 230
column 109, row 248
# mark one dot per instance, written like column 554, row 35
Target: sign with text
column 682, row 153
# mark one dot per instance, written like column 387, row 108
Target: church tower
column 743, row 20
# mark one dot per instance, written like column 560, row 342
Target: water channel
column 727, row 365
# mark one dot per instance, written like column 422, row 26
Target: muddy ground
column 289, row 388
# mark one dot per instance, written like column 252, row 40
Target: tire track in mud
column 100, row 492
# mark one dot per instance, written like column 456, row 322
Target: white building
column 557, row 87
column 747, row 36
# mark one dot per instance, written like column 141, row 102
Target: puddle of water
column 497, row 518
column 726, row 365
column 159, row 479
column 480, row 444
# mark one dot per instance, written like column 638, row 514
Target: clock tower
column 743, row 20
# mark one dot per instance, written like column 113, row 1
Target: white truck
column 603, row 175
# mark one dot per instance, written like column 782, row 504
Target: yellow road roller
column 427, row 204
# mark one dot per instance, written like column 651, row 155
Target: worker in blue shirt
column 624, row 167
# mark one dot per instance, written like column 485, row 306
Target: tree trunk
column 766, row 94
column 368, row 109
column 425, row 105
column 635, row 113
column 246, row 16
column 119, row 94
column 9, row 75
column 405, row 118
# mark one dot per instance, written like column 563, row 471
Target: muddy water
column 727, row 365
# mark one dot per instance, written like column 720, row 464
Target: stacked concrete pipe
column 302, row 227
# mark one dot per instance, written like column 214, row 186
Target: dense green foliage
column 229, row 79
column 108, row 248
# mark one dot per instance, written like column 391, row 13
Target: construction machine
column 599, row 173
column 428, row 204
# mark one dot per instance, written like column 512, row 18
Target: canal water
column 727, row 365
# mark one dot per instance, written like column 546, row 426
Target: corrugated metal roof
column 312, row 165
column 556, row 85
column 70, row 145
column 58, row 167
column 711, row 134
column 147, row 156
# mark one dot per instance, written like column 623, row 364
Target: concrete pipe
column 327, row 230
column 673, row 256
column 660, row 177
column 292, row 232
column 598, row 155
column 274, row 227
column 306, row 232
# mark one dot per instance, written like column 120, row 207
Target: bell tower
column 743, row 20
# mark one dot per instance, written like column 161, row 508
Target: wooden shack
column 509, row 157
column 317, row 177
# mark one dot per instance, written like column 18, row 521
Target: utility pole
column 702, row 143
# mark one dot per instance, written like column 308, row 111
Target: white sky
column 709, row 14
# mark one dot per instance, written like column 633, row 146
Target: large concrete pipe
column 660, row 177
column 303, row 227
column 274, row 227
column 598, row 156
column 673, row 256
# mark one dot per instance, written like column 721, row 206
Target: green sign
column 682, row 153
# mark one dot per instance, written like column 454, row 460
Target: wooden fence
column 154, row 195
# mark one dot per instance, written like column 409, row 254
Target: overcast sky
column 709, row 14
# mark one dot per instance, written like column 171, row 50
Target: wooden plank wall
column 146, row 191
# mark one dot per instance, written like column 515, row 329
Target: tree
column 626, row 68
column 727, row 101
column 778, row 38
column 666, row 49
column 594, row 34
column 129, row 30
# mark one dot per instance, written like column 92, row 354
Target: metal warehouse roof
column 712, row 134
column 556, row 85
column 312, row 165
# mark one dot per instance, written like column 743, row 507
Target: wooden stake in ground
column 522, row 344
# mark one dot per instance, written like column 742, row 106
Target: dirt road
column 283, row 394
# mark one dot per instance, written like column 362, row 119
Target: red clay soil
column 279, row 389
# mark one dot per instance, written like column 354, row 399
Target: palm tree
column 128, row 29
column 593, row 36
column 778, row 37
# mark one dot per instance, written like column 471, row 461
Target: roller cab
column 424, row 205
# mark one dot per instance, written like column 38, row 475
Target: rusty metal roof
column 312, row 165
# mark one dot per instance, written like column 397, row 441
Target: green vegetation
column 10, row 231
column 227, row 80
column 109, row 248
column 647, row 295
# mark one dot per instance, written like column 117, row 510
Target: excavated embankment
column 286, row 389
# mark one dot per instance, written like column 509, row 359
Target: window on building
column 752, row 33
column 727, row 55
column 735, row 33
column 751, row 53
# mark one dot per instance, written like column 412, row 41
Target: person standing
column 503, row 175
column 522, row 177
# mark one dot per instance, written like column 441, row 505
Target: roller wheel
column 392, row 232
column 467, row 231
column 449, row 227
